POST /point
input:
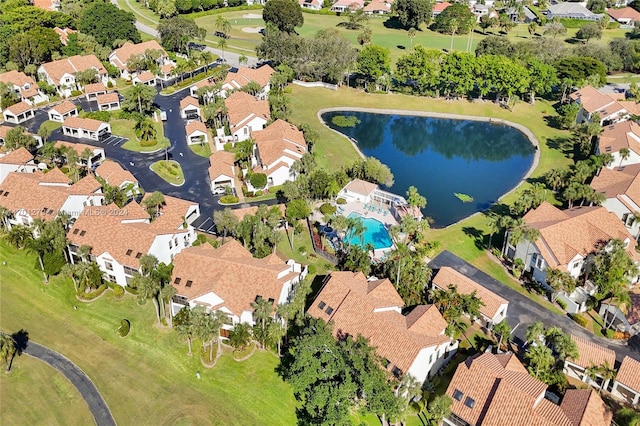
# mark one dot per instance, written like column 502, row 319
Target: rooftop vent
column 129, row 252
column 177, row 281
column 469, row 402
column 321, row 305
column 457, row 395
column 82, row 233
column 189, row 282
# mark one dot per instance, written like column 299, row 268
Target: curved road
column 78, row 378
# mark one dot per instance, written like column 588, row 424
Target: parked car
column 221, row 34
column 219, row 191
column 163, row 115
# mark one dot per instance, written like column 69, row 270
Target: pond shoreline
column 523, row 129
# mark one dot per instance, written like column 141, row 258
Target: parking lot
column 114, row 141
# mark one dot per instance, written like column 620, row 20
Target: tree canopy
column 285, row 15
column 175, row 33
column 413, row 13
column 108, row 23
column 456, row 18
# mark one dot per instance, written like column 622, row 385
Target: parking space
column 114, row 140
column 206, row 225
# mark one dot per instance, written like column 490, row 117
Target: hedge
column 327, row 209
column 562, row 304
column 99, row 115
column 92, row 294
column 341, row 201
column 580, row 320
column 229, row 199
column 152, row 142
column 118, row 291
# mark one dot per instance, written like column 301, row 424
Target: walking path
column 78, row 378
column 522, row 311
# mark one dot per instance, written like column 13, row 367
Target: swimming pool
column 374, row 233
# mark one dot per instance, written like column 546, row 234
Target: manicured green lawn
column 147, row 377
column 170, row 171
column 34, row 393
column 309, row 257
column 124, row 128
column 50, row 125
column 201, row 150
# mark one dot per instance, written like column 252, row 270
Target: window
column 457, row 395
column 430, row 358
column 129, row 252
column 396, row 371
column 170, row 244
column 189, row 282
column 75, row 231
column 537, row 261
column 111, row 278
column 469, row 402
column 329, row 310
column 109, row 266
column 321, row 305
column 386, row 363
column 130, row 271
column 177, row 281
column 138, row 255
column 82, row 233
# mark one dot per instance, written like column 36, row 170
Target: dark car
column 221, row 34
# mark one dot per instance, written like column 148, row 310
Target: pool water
column 374, row 233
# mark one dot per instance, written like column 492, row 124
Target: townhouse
column 62, row 73
column 108, row 102
column 88, row 128
column 18, row 160
column 119, row 237
column 229, row 279
column 590, row 354
column 627, row 382
column 222, row 171
column 494, row 308
column 88, row 156
column 411, row 343
column 245, row 114
column 620, row 137
column 4, row 133
column 129, row 51
column 592, row 101
column 190, row 108
column 115, row 175
column 237, row 78
column 24, row 86
column 197, row 133
column 61, row 111
column 18, row 113
column 490, row 389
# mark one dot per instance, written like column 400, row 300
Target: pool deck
column 378, row 213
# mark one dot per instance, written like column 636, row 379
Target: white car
column 219, row 191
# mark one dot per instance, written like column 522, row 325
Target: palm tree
column 154, row 201
column 504, row 330
column 412, row 34
column 137, row 91
column 71, row 270
column 493, row 226
column 540, row 360
column 624, row 154
column 243, row 60
column 262, row 310
column 275, row 332
column 530, row 235
column 183, row 324
column 148, row 288
column 534, row 332
column 216, row 320
column 240, row 336
column 222, row 44
column 560, row 281
column 408, row 389
column 5, row 214
column 145, row 129
column 8, row 349
column 453, row 26
column 556, row 178
column 355, row 228
column 439, row 408
column 19, row 235
column 223, row 25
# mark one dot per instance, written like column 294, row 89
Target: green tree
column 175, row 33
column 611, row 270
column 542, row 78
column 107, row 23
column 412, row 13
column 139, row 98
column 285, row 15
column 153, row 203
column 355, row 19
column 183, row 324
column 502, row 329
column 8, row 349
column 555, row 29
column 439, row 408
column 588, row 31
column 33, row 47
column 373, row 62
column 455, row 19
column 415, row 199
column 240, row 336
column 560, row 281
column 225, row 221
column 18, row 137
column 540, row 359
column 262, row 311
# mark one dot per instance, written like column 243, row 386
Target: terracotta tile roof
column 57, row 69
column 114, row 174
column 244, row 76
column 121, row 55
column 625, row 134
column 172, row 213
column 19, row 108
column 581, row 230
column 624, row 13
column 167, row 68
column 279, row 139
column 502, row 392
column 358, row 307
column 231, row 273
column 189, row 101
column 4, row 130
column 30, row 92
column 196, row 126
column 492, row 302
column 361, row 187
column 317, row 3
column 64, row 107
column 145, row 76
column 108, row 98
column 629, row 373
column 242, row 107
column 17, row 156
column 64, row 34
column 632, row 106
column 78, row 147
column 42, row 195
column 590, row 353
column 94, row 88
column 439, row 7
column 83, row 123
column 221, row 163
column 584, row 407
column 17, row 78
column 623, row 184
column 50, row 5
column 593, row 100
column 377, row 6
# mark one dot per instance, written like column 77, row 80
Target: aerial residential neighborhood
column 344, row 212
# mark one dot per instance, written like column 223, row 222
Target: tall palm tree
column 261, row 314
column 275, row 332
column 355, row 228
column 624, row 154
column 145, row 129
column 493, row 226
column 19, row 235
column 453, row 26
column 216, row 320
column 243, row 60
column 530, row 235
column 222, row 44
column 408, row 389
column 439, row 408
column 183, row 324
column 223, row 25
column 534, row 332
column 148, row 288
column 504, row 330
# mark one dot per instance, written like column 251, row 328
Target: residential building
column 246, row 114
column 197, row 133
column 489, row 389
column 4, row 130
column 88, row 156
column 115, row 175
column 625, row 16
column 237, row 78
column 347, row 5
column 63, row 110
column 413, row 343
column 190, row 108
column 38, row 195
column 92, row 91
column 361, row 191
column 120, row 56
column 108, row 102
column 617, row 136
column 568, row 10
column 24, row 86
column 18, row 160
column 590, row 354
column 118, row 238
column 277, row 147
column 62, row 73
column 567, row 239
column 494, row 308
column 593, row 101
column 378, row 7
column 438, row 8
column 48, row 5
column 18, row 113
column 310, row 4
column 623, row 322
column 222, row 170
column 146, row 77
column 229, row 280
column 621, row 187
column 64, row 34
column 627, row 382
column 88, row 128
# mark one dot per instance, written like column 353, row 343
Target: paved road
column 523, row 311
column 78, row 378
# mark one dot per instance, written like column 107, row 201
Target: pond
column 443, row 157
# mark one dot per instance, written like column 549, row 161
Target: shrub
column 344, row 121
column 341, row 201
column 580, row 320
column 99, row 115
column 313, row 269
column 609, row 333
column 302, row 250
column 92, row 294
column 613, row 25
column 228, row 146
column 562, row 304
column 76, row 93
column 146, row 144
column 258, row 180
column 257, row 193
column 228, row 199
column 125, row 328
column 327, row 209
column 118, row 291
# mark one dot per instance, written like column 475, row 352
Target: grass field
column 201, row 150
column 170, row 171
column 145, row 378
column 54, row 401
column 125, row 128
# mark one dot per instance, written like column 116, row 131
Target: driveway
column 522, row 311
column 78, row 378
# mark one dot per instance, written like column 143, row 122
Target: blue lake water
column 442, row 157
column 374, row 233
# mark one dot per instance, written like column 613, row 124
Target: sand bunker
column 252, row 16
column 253, row 30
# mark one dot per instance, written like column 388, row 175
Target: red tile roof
column 244, row 76
column 108, row 98
column 57, row 69
column 94, row 88
column 584, row 407
column 19, row 108
column 83, row 123
column 629, row 373
column 590, row 353
column 625, row 134
column 624, row 13
column 279, row 139
column 121, row 55
column 241, row 107
column 17, row 156
column 114, row 174
column 64, row 107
